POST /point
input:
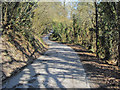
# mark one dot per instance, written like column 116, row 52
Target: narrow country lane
column 59, row 67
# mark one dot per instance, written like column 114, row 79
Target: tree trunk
column 118, row 24
column 119, row 49
column 97, row 32
column 74, row 22
column 119, row 40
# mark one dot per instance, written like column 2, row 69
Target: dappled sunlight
column 100, row 74
column 60, row 44
column 59, row 67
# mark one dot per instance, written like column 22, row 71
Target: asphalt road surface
column 59, row 67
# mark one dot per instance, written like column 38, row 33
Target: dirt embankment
column 100, row 74
column 19, row 52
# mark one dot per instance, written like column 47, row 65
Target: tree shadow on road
column 49, row 73
column 100, row 73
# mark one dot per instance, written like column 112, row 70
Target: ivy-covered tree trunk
column 97, row 32
column 119, row 47
column 74, row 28
column 118, row 12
